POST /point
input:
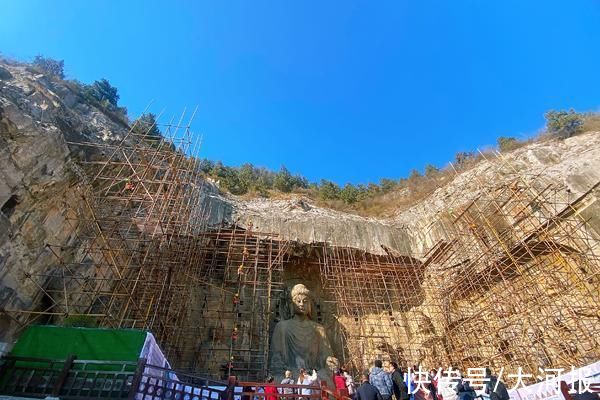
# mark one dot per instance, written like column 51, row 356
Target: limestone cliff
column 38, row 116
column 417, row 286
column 572, row 164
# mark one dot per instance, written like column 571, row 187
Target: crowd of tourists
column 385, row 384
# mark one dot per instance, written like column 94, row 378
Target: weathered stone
column 33, row 167
column 5, row 74
column 34, row 158
column 299, row 342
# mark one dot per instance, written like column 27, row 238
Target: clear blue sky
column 348, row 91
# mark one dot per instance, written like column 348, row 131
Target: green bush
column 563, row 124
column 229, row 179
column 507, row 143
column 349, row 194
column 387, row 184
column 463, row 158
column 146, row 125
column 284, row 181
column 329, row 190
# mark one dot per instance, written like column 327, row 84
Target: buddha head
column 301, row 300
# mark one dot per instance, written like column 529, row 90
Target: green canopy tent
column 56, row 342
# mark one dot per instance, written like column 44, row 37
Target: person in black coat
column 464, row 390
column 366, row 391
column 399, row 387
column 495, row 388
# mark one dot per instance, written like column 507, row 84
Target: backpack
column 501, row 391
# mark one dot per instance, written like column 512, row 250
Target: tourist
column 413, row 386
column 288, row 380
column 366, row 391
column 432, row 385
column 229, row 392
column 420, row 390
column 445, row 387
column 580, row 391
column 340, row 383
column 271, row 391
column 349, row 383
column 398, row 386
column 494, row 387
column 248, row 393
column 306, row 380
column 381, row 380
column 464, row 389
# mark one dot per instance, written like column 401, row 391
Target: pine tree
column 103, row 91
column 283, row 180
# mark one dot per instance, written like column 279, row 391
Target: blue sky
column 347, row 91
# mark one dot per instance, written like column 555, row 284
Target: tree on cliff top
column 563, row 123
column 329, row 190
column 349, row 194
column 104, row 92
column 284, row 181
column 146, row 125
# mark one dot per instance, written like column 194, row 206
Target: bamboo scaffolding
column 511, row 277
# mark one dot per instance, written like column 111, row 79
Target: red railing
column 251, row 390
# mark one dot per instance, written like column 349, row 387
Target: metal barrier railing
column 85, row 379
column 73, row 379
column 163, row 383
column 70, row 378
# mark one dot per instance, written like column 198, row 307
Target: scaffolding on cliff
column 510, row 277
column 145, row 257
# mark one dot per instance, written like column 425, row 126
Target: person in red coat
column 271, row 392
column 340, row 383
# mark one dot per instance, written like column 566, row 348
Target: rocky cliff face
column 572, row 165
column 47, row 127
column 298, row 220
column 38, row 116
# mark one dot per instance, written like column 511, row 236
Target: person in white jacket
column 349, row 383
column 306, row 380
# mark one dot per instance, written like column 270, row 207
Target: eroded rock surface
column 37, row 118
column 40, row 119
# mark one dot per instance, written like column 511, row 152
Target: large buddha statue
column 300, row 342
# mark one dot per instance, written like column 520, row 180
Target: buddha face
column 301, row 304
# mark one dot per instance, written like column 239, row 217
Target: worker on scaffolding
column 128, row 187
